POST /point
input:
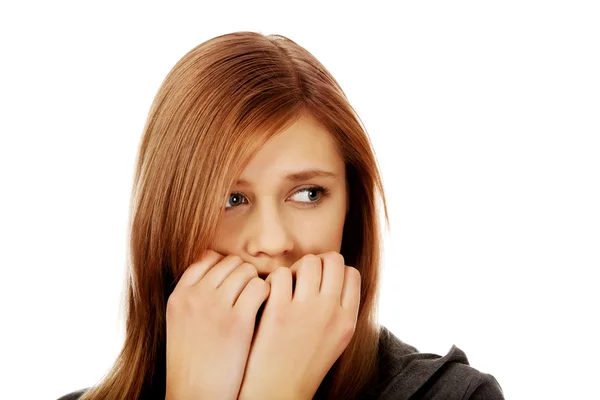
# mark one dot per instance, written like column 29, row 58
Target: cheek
column 226, row 236
column 322, row 230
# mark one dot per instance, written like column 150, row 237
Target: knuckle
column 173, row 302
column 331, row 318
column 257, row 282
column 331, row 309
column 190, row 303
column 347, row 329
column 282, row 271
column 210, row 252
column 249, row 268
column 235, row 259
column 334, row 257
column 238, row 314
column 178, row 303
column 229, row 325
column 353, row 272
column 310, row 259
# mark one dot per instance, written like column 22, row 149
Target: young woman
column 255, row 244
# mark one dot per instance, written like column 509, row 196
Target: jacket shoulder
column 461, row 381
column 73, row 395
column 406, row 373
column 484, row 386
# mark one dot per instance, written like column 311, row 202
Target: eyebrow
column 300, row 176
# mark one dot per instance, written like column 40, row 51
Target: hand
column 210, row 323
column 302, row 334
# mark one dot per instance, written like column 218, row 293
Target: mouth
column 264, row 275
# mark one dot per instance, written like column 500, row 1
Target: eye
column 235, row 199
column 314, row 194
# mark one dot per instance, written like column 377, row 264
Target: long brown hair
column 218, row 106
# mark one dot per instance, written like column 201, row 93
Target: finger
column 236, row 281
column 252, row 297
column 351, row 291
column 217, row 275
column 308, row 276
column 333, row 274
column 280, row 281
column 196, row 271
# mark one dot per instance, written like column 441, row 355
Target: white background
column 485, row 118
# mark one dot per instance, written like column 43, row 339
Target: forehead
column 305, row 144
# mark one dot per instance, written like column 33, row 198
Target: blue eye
column 314, row 191
column 316, row 194
column 236, row 200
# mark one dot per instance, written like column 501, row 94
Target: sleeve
column 484, row 387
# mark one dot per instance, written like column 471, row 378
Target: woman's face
column 278, row 211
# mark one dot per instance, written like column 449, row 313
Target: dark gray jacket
column 408, row 374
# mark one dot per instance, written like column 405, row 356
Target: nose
column 268, row 233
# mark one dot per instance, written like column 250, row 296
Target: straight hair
column 219, row 104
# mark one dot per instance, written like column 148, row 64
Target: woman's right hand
column 210, row 324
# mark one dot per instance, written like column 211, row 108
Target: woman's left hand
column 302, row 334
